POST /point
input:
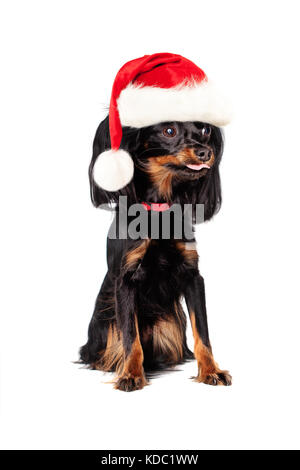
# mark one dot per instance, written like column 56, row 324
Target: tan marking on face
column 162, row 176
column 188, row 156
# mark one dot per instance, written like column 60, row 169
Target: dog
column 138, row 325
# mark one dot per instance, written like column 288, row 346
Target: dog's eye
column 169, row 131
column 206, row 131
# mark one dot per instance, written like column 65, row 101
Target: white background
column 58, row 62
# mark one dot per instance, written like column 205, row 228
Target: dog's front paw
column 130, row 383
column 221, row 377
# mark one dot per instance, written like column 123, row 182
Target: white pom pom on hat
column 155, row 88
column 113, row 170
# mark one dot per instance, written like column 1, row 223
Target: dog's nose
column 204, row 154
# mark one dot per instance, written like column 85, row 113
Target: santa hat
column 155, row 88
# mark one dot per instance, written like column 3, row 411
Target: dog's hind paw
column 221, row 377
column 130, row 384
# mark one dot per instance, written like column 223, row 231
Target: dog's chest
column 166, row 265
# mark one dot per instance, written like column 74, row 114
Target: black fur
column 150, row 288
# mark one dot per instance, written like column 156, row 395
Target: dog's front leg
column 132, row 376
column 208, row 370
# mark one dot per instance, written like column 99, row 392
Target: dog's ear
column 101, row 143
column 210, row 193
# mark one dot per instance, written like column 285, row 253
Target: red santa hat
column 155, row 88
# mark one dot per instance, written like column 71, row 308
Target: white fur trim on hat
column 144, row 106
column 113, row 170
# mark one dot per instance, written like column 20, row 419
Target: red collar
column 156, row 206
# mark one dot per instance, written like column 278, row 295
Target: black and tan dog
column 138, row 324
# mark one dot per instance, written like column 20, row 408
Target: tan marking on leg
column 208, row 369
column 134, row 361
column 132, row 376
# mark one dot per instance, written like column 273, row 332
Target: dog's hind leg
column 208, row 370
column 100, row 324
